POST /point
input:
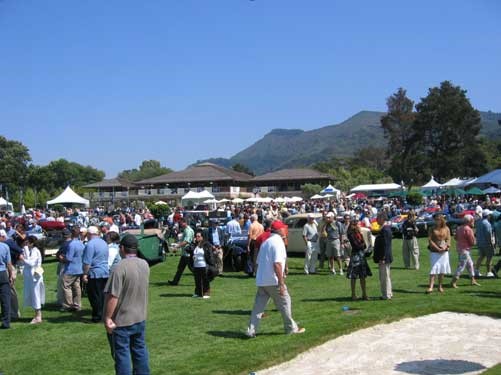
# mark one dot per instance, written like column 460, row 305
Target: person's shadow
column 438, row 367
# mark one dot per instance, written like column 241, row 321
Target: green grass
column 192, row 336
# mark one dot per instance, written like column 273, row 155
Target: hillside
column 286, row 148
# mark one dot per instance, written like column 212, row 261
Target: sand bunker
column 444, row 343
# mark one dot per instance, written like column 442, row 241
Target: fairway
column 194, row 336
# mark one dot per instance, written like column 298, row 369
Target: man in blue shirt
column 73, row 269
column 484, row 243
column 5, row 280
column 95, row 271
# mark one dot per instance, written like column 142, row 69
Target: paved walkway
column 444, row 343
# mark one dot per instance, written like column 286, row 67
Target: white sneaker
column 250, row 334
column 333, row 272
column 206, row 297
column 341, row 272
column 477, row 273
column 490, row 274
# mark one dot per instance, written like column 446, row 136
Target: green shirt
column 188, row 236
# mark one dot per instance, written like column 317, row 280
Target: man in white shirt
column 270, row 282
column 310, row 236
column 233, row 227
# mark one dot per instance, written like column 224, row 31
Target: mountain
column 287, row 148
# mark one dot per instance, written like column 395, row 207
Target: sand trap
column 444, row 343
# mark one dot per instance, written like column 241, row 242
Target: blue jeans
column 127, row 342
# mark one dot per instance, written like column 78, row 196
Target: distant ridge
column 293, row 148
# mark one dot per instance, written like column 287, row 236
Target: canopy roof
column 193, row 195
column 458, row 182
column 376, row 187
column 3, row 202
column 69, row 196
column 492, row 190
column 330, row 189
column 432, row 184
column 493, row 177
column 475, row 191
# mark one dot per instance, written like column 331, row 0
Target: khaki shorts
column 333, row 249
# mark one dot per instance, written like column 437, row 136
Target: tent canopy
column 192, row 195
column 492, row 190
column 432, row 184
column 458, row 182
column 69, row 196
column 330, row 189
column 205, row 195
column 475, row 191
column 493, row 177
column 375, row 187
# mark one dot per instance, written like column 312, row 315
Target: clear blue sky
column 111, row 83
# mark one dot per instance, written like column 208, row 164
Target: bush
column 414, row 198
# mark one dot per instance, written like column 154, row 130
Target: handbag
column 38, row 271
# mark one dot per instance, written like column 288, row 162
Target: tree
column 444, row 138
column 14, row 158
column 397, row 125
column 310, row 189
column 242, row 168
column 147, row 169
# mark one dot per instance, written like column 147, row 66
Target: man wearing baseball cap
column 270, row 281
column 95, row 271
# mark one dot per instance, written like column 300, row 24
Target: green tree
column 14, row 158
column 147, row 169
column 42, row 198
column 310, row 189
column 242, row 168
column 444, row 140
column 397, row 125
column 29, row 198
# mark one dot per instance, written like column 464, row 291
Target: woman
column 202, row 261
column 383, row 255
column 439, row 242
column 358, row 267
column 465, row 240
column 34, row 288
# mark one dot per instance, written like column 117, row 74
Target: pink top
column 465, row 238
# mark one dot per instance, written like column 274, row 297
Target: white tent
column 224, row 200
column 331, row 190
column 375, row 187
column 237, row 200
column 205, row 195
column 5, row 204
column 161, row 203
column 430, row 185
column 192, row 195
column 296, row 199
column 458, row 182
column 252, row 199
column 317, row 196
column 69, row 196
column 279, row 200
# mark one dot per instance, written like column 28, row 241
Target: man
column 95, row 271
column 322, row 241
column 6, row 280
column 334, row 231
column 233, row 227
column 345, row 245
column 410, row 245
column 125, row 310
column 216, row 239
column 383, row 255
column 60, row 266
column 73, row 269
column 255, row 230
column 15, row 254
column 270, row 282
column 184, row 259
column 484, row 243
column 310, row 237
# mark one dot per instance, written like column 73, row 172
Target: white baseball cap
column 3, row 233
column 93, row 230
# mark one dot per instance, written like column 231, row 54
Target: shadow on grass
column 484, row 294
column 184, row 295
column 232, row 312
column 237, row 276
column 438, row 367
column 407, row 291
column 239, row 335
column 333, row 299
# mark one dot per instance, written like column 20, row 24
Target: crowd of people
column 97, row 258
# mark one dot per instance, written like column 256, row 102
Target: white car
column 295, row 237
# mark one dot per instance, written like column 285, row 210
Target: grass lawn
column 194, row 336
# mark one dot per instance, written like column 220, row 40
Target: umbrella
column 161, row 203
column 492, row 190
column 398, row 193
column 360, row 196
column 453, row 191
column 211, row 201
column 279, row 200
column 237, row 200
column 317, row 196
column 224, row 200
column 296, row 199
column 475, row 191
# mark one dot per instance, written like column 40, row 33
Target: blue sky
column 111, row 83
